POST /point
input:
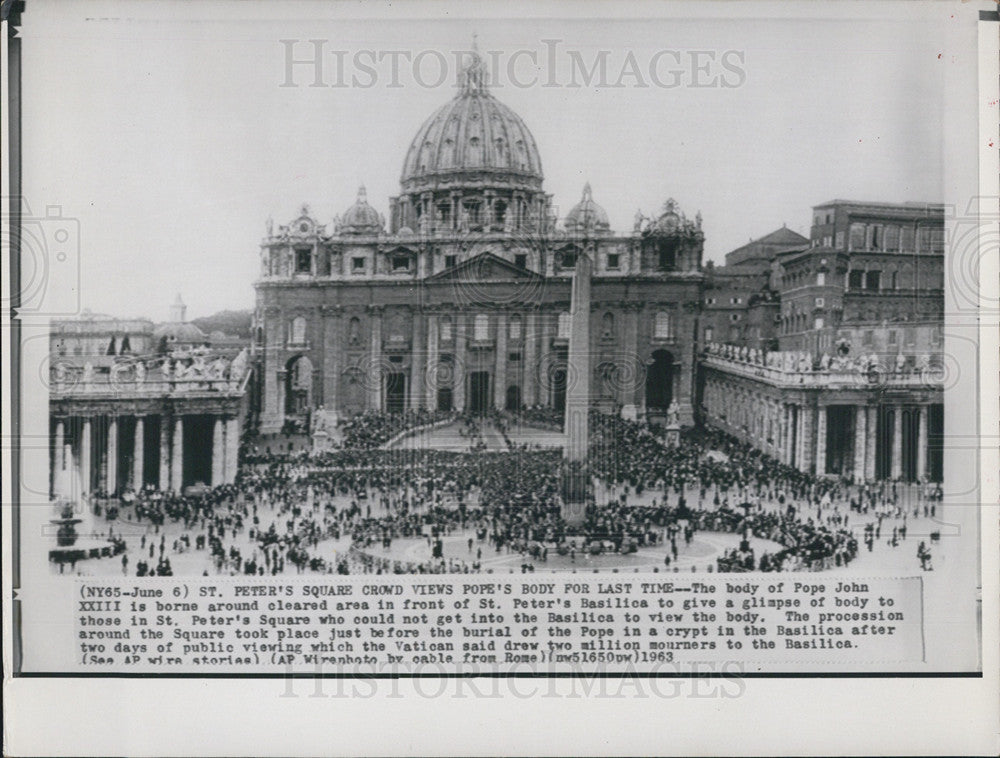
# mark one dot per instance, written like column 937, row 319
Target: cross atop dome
column 472, row 78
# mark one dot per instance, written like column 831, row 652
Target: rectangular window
column 818, row 323
column 303, row 261
column 521, row 260
column 892, row 336
column 839, row 240
column 821, row 279
column 872, row 279
column 450, row 261
column 869, row 336
column 855, row 280
column 709, row 333
column 857, row 236
column 400, row 263
column 663, row 327
column 937, row 240
column 613, row 262
column 910, row 334
column 906, row 239
column 568, row 260
column 481, row 328
column 565, row 325
column 357, row 264
column 827, row 240
column 820, row 302
column 924, row 239
column 514, row 357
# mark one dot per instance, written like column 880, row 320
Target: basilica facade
column 460, row 300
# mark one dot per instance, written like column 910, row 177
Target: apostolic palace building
column 824, row 352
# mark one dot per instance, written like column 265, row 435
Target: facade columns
column 112, row 460
column 218, row 454
column 331, row 367
column 458, row 388
column 164, row 453
column 544, row 359
column 417, row 365
column 177, row 456
column 431, row 373
column 232, row 450
column 922, row 443
column 529, row 395
column 871, row 448
column 374, row 377
column 274, row 410
column 500, row 370
column 821, row 440
column 628, row 400
column 138, row 453
column 860, row 439
column 85, row 458
column 897, row 442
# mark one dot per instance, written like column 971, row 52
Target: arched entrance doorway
column 660, row 381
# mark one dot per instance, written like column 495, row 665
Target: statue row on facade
column 194, row 367
column 803, row 361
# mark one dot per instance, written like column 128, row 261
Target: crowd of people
column 359, row 499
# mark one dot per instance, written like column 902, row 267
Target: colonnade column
column 112, row 461
column 897, row 442
column 800, row 442
column 922, row 443
column 218, row 452
column 138, row 452
column 860, row 439
column 529, row 395
column 177, row 456
column 431, row 372
column 374, row 377
column 500, row 369
column 57, row 457
column 85, row 457
column 164, row 453
column 232, row 449
column 871, row 447
column 821, row 440
column 417, row 365
column 458, row 387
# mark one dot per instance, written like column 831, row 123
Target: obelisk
column 576, row 477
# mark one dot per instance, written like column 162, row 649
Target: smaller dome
column 587, row 216
column 361, row 218
column 179, row 331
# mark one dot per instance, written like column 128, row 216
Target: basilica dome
column 472, row 137
column 587, row 216
column 361, row 218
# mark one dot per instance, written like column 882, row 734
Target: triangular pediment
column 483, row 268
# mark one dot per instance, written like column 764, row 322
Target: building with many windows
column 848, row 379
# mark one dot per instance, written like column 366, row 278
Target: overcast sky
column 173, row 141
